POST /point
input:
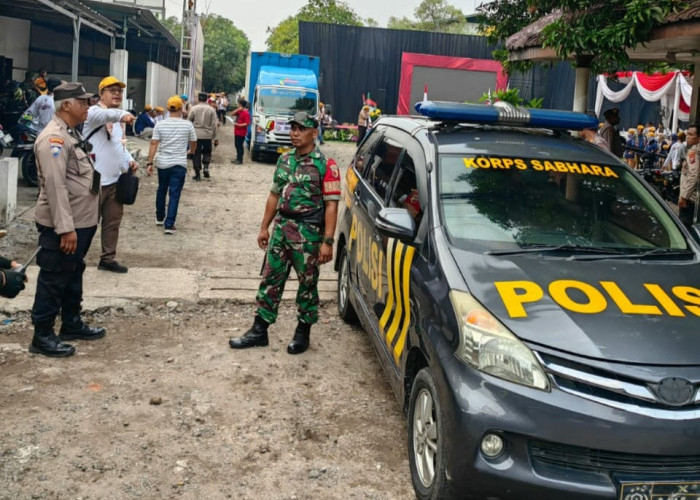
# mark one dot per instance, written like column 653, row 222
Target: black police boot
column 206, row 172
column 196, row 176
column 74, row 328
column 300, row 342
column 45, row 342
column 255, row 337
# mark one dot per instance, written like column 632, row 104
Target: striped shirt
column 175, row 135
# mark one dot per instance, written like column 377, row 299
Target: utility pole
column 189, row 27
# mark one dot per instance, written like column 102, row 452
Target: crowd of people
column 79, row 174
column 81, row 155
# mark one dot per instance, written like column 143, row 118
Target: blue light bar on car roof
column 505, row 114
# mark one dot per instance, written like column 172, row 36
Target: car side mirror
column 396, row 223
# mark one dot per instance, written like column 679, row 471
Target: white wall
column 161, row 83
column 14, row 44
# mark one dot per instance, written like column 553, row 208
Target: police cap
column 71, row 90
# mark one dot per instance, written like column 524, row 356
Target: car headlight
column 487, row 345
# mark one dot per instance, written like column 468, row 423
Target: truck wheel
column 426, row 448
column 29, row 172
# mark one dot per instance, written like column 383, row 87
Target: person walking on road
column 66, row 217
column 689, row 178
column 206, row 126
column 240, row 129
column 173, row 139
column 105, row 129
column 303, row 201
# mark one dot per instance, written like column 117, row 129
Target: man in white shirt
column 105, row 130
column 43, row 108
column 676, row 153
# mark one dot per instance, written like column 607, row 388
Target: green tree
column 432, row 15
column 602, row 31
column 285, row 36
column 174, row 26
column 225, row 51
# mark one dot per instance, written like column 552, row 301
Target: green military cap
column 304, row 119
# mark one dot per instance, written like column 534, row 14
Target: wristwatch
column 328, row 241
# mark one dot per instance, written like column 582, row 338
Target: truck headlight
column 487, row 345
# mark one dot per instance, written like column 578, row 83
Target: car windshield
column 496, row 204
column 286, row 101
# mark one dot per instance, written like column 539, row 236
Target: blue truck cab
column 279, row 85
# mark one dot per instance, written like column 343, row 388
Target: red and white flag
column 425, row 93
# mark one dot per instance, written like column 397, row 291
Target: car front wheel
column 426, row 450
column 345, row 310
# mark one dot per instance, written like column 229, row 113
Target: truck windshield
column 275, row 100
column 490, row 203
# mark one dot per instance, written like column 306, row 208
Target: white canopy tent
column 673, row 89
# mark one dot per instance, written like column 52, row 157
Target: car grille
column 612, row 390
column 549, row 456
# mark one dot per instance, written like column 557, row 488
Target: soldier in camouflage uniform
column 303, row 202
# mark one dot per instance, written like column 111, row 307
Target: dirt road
column 163, row 408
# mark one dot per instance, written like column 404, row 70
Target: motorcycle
column 5, row 140
column 26, row 132
column 670, row 185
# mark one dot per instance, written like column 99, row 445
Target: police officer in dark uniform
column 303, row 202
column 66, row 217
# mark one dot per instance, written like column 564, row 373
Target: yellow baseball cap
column 147, row 107
column 631, row 131
column 175, row 103
column 109, row 81
column 640, row 127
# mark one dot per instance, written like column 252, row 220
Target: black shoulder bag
column 127, row 184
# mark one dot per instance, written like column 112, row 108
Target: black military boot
column 74, row 328
column 255, row 337
column 47, row 343
column 300, row 342
column 206, row 172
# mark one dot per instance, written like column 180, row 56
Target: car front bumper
column 557, row 445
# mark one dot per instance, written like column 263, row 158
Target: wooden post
column 8, row 189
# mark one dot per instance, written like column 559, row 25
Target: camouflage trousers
column 296, row 246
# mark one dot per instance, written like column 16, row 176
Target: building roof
column 141, row 20
column 67, row 10
column 676, row 39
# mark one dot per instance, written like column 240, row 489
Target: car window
column 405, row 189
column 485, row 205
column 366, row 150
column 378, row 173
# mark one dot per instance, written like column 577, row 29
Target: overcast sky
column 254, row 16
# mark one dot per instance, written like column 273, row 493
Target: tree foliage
column 602, row 31
column 225, row 50
column 285, row 36
column 432, row 15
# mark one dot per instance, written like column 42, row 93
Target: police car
column 535, row 305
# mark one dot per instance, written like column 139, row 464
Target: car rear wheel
column 426, row 450
column 345, row 310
